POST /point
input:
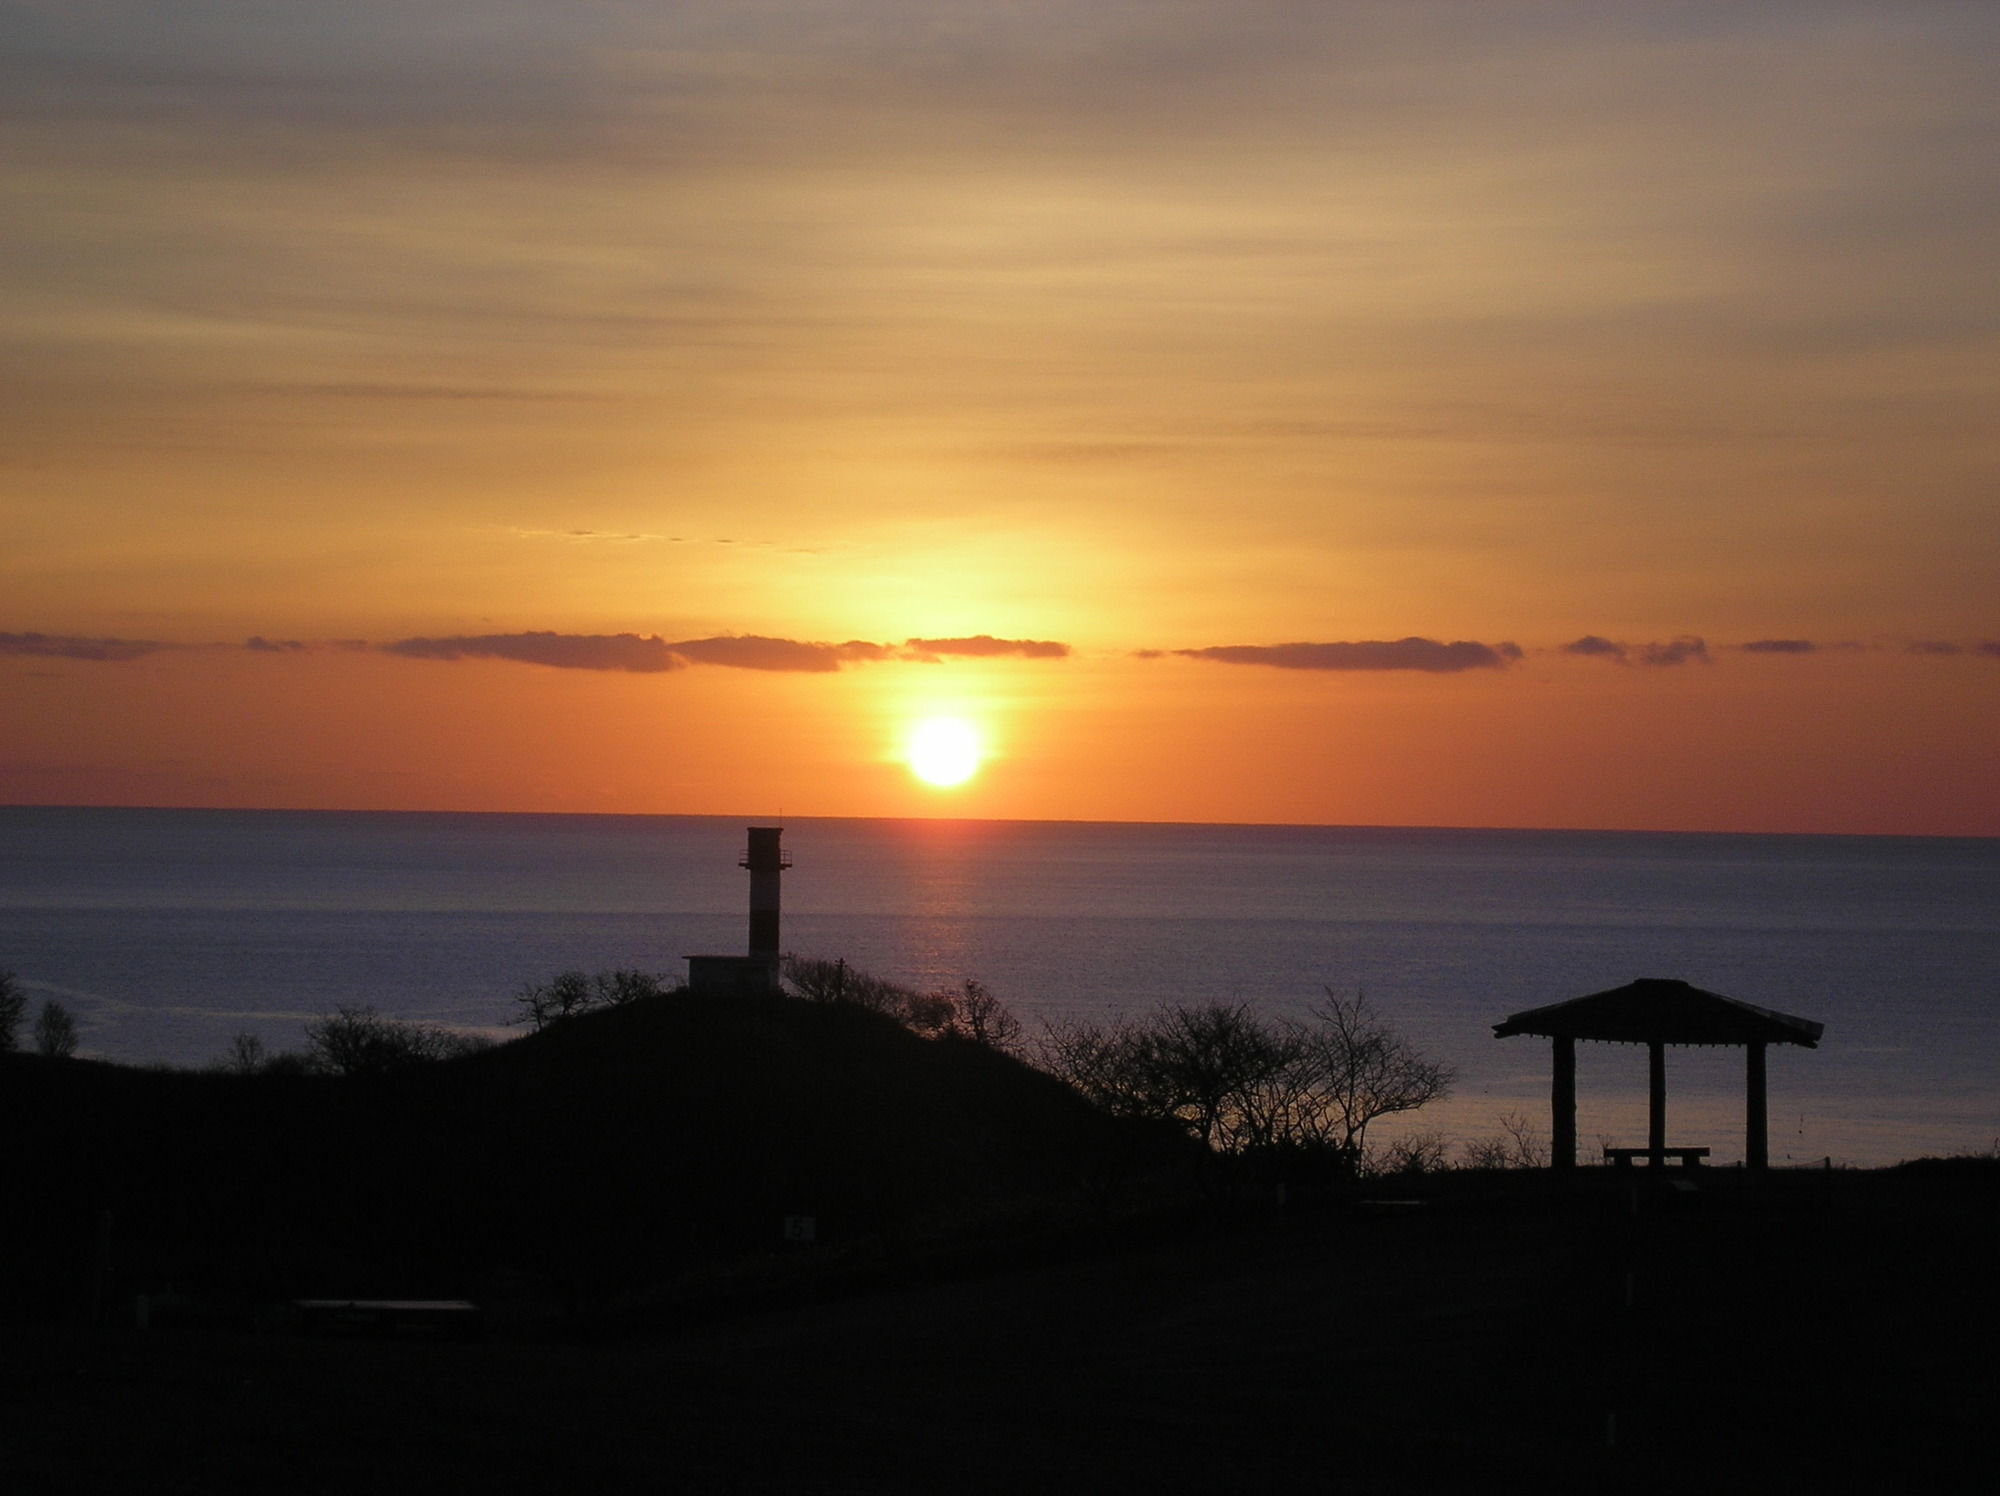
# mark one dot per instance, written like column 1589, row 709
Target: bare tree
column 984, row 1019
column 359, row 1041
column 833, row 981
column 1222, row 1069
column 13, row 1007
column 562, row 996
column 1362, row 1070
column 1098, row 1060
column 1238, row 1084
column 1212, row 1068
column 1416, row 1153
column 569, row 993
column 55, row 1031
column 928, row 1013
column 1519, row 1146
column 966, row 1012
column 246, row 1054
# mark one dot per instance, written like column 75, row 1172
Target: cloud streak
column 983, row 647
column 1675, row 651
column 760, row 652
column 78, row 647
column 1594, row 646
column 649, row 654
column 1780, row 647
column 1427, row 655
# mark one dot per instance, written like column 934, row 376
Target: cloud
column 861, row 649
column 261, row 645
column 651, row 654
column 390, row 391
column 1799, row 647
column 984, row 646
column 1593, row 645
column 630, row 652
column 1675, row 651
column 757, row 652
column 1365, row 654
column 1988, row 647
column 593, row 537
column 75, row 647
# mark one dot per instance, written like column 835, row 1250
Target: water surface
column 169, row 931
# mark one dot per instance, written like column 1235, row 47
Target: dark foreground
column 1837, row 1332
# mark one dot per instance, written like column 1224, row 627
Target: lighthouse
column 766, row 861
column 758, row 970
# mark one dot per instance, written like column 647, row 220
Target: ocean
column 167, row 932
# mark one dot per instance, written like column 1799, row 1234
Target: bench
column 1687, row 1158
column 448, row 1319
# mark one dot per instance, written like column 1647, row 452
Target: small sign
column 801, row 1228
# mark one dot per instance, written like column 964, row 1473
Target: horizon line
column 755, row 818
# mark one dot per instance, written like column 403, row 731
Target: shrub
column 1415, row 1153
column 819, row 980
column 1518, row 1146
column 572, row 992
column 982, row 1018
column 13, row 1006
column 246, row 1055
column 359, row 1041
column 55, row 1031
column 970, row 1012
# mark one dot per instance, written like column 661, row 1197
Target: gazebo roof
column 1656, row 1010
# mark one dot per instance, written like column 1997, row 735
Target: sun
column 943, row 751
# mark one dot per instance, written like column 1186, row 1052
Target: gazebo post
column 1656, row 1109
column 1562, row 1103
column 1756, row 1120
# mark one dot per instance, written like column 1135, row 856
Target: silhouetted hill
column 615, row 1150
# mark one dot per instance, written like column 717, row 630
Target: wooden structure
column 1657, row 1012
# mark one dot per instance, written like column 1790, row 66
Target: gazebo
column 1657, row 1012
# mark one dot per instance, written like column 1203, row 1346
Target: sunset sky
column 1482, row 413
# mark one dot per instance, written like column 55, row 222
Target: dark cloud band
column 1677, row 651
column 650, row 654
column 1429, row 655
column 75, row 647
column 629, row 652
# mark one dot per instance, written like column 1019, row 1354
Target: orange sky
column 1475, row 414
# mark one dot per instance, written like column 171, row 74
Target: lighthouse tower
column 757, row 971
column 766, row 862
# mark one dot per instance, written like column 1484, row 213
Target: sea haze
column 169, row 931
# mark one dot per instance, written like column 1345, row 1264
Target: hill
column 615, row 1152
